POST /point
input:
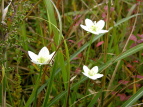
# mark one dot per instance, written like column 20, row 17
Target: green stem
column 34, row 92
column 68, row 73
column 49, row 88
column 87, row 58
column 4, row 82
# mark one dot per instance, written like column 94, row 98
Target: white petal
column 89, row 23
column 92, row 77
column 32, row 55
column 100, row 24
column 102, row 31
column 35, row 62
column 84, row 27
column 44, row 52
column 51, row 55
column 96, row 33
column 96, row 76
column 86, row 69
column 40, row 63
column 95, row 69
column 85, row 74
column 44, row 63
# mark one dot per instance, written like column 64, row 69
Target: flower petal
column 99, row 75
column 93, row 77
column 95, row 69
column 35, row 62
column 100, row 24
column 86, row 69
column 84, row 27
column 96, row 76
column 51, row 55
column 86, row 74
column 39, row 63
column 96, row 33
column 89, row 23
column 33, row 56
column 44, row 52
column 100, row 31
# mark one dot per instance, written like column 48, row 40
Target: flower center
column 91, row 73
column 94, row 28
column 41, row 59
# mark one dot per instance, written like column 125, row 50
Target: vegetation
column 30, row 25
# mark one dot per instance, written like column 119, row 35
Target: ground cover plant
column 71, row 53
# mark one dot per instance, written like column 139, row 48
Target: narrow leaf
column 134, row 98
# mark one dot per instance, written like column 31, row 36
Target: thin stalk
column 34, row 92
column 42, row 92
column 118, row 63
column 49, row 87
column 39, row 84
column 87, row 56
column 5, row 65
column 88, row 50
column 105, row 55
column 68, row 94
column 34, row 7
column 4, row 81
column 68, row 73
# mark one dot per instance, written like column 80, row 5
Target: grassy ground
column 30, row 25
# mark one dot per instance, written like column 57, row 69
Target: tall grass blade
column 134, row 98
column 49, row 87
column 52, row 19
column 122, row 56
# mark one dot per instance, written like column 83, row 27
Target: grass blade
column 122, row 56
column 134, row 98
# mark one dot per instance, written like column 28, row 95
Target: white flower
column 93, row 27
column 42, row 58
column 93, row 73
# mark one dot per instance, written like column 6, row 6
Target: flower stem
column 49, row 87
column 34, row 92
column 88, row 50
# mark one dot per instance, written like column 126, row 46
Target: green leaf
column 49, row 87
column 52, row 19
column 34, row 92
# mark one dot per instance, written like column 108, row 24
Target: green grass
column 31, row 25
